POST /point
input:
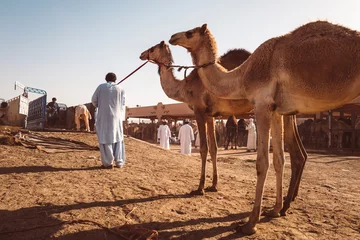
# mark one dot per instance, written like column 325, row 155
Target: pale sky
column 66, row 47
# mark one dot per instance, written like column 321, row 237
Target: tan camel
column 337, row 130
column 206, row 105
column 314, row 68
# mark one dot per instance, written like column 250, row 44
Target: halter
column 179, row 67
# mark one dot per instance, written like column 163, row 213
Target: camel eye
column 188, row 34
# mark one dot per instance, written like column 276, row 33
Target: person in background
column 251, row 143
column 186, row 136
column 109, row 98
column 52, row 112
column 242, row 132
column 164, row 135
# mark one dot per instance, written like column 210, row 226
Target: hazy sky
column 67, row 46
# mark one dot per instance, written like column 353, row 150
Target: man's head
column 164, row 121
column 110, row 77
column 187, row 121
column 54, row 99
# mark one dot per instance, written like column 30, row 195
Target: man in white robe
column 81, row 112
column 109, row 98
column 186, row 136
column 251, row 143
column 164, row 135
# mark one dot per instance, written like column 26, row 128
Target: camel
column 231, row 132
column 81, row 112
column 311, row 69
column 206, row 105
column 338, row 127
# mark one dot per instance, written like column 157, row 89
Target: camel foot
column 283, row 212
column 199, row 192
column 211, row 189
column 271, row 214
column 246, row 229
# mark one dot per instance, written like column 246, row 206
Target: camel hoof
column 271, row 214
column 283, row 213
column 246, row 229
column 211, row 189
column 198, row 192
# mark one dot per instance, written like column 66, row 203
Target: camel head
column 160, row 53
column 194, row 39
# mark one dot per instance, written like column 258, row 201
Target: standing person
column 251, row 143
column 186, row 136
column 242, row 132
column 164, row 135
column 109, row 98
column 52, row 112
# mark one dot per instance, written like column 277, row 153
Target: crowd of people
column 188, row 135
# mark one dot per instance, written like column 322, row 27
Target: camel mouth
column 173, row 41
column 143, row 56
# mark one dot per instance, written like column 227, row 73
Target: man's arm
column 122, row 100
column 192, row 134
column 95, row 97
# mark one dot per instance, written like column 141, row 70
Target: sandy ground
column 67, row 195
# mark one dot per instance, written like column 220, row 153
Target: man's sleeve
column 122, row 100
column 95, row 97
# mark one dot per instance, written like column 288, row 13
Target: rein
column 179, row 67
column 132, row 72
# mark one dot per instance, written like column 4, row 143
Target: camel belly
column 293, row 104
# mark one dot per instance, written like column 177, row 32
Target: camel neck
column 222, row 83
column 171, row 86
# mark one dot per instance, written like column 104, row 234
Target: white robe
column 109, row 98
column 197, row 140
column 164, row 135
column 251, row 143
column 186, row 135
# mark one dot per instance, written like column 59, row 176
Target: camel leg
column 86, row 120
column 236, row 138
column 263, row 116
column 298, row 158
column 278, row 160
column 200, row 119
column 302, row 159
column 77, row 122
column 213, row 152
column 227, row 139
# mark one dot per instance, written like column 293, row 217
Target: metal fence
column 37, row 114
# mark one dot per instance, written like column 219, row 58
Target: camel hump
column 322, row 29
column 234, row 58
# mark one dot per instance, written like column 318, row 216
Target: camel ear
column 203, row 28
column 162, row 43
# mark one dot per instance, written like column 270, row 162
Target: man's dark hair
column 110, row 77
column 54, row 99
